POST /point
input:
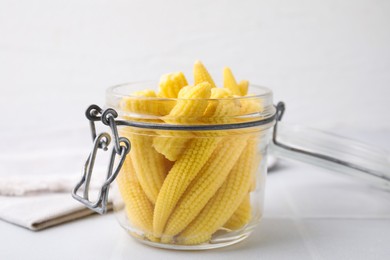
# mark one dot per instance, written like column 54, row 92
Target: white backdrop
column 328, row 60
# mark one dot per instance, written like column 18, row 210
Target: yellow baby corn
column 170, row 84
column 229, row 82
column 256, row 162
column 149, row 165
column 243, row 85
column 179, row 178
column 171, row 144
column 138, row 207
column 225, row 202
column 221, row 93
column 183, row 91
column 225, row 155
column 216, row 93
column 136, row 104
column 204, row 186
column 191, row 106
column 145, row 103
column 250, row 105
column 145, row 93
column 201, row 74
column 241, row 216
column 222, row 107
column 253, row 142
column 190, row 109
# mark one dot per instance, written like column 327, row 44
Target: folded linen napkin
column 41, row 211
column 36, row 184
column 40, row 201
column 38, row 170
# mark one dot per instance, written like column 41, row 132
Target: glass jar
column 189, row 179
column 192, row 182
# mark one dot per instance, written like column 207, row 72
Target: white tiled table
column 310, row 214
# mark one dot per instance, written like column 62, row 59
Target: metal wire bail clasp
column 121, row 148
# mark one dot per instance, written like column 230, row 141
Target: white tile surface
column 350, row 238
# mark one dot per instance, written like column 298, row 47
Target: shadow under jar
column 195, row 175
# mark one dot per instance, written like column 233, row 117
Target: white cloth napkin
column 41, row 211
column 25, row 185
column 38, row 170
column 40, row 201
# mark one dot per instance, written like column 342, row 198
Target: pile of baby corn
column 181, row 187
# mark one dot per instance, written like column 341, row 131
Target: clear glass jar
column 191, row 182
column 195, row 174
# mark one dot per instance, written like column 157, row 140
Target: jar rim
column 115, row 91
column 118, row 95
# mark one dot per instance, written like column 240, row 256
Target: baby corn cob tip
column 243, row 85
column 183, row 92
column 229, row 82
column 222, row 108
column 201, row 74
column 216, row 93
column 171, row 84
column 145, row 104
column 188, row 110
column 192, row 105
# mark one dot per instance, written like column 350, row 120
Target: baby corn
column 137, row 205
column 171, row 144
column 229, row 82
column 191, row 107
column 222, row 161
column 149, row 165
column 250, row 105
column 202, row 75
column 170, row 84
column 225, row 202
column 143, row 103
column 221, row 108
column 241, row 216
column 204, row 186
column 179, row 178
column 243, row 85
